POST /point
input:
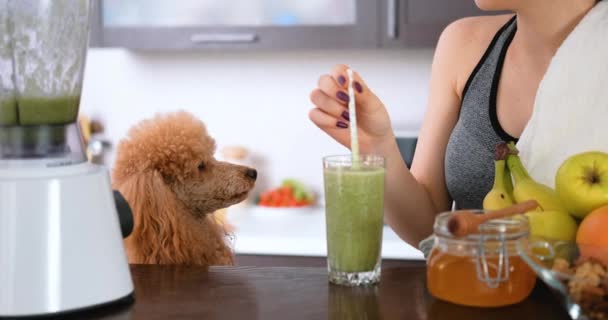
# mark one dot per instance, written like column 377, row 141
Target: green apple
column 552, row 225
column 581, row 182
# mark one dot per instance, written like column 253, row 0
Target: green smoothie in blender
column 48, row 111
column 8, row 112
column 39, row 111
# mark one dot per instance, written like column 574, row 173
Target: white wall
column 258, row 100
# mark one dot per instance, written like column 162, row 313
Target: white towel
column 570, row 113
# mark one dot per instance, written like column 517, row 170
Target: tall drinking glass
column 354, row 210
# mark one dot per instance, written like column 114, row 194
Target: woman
column 484, row 78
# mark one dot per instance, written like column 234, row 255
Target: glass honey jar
column 482, row 269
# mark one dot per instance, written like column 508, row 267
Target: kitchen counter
column 296, row 232
column 181, row 292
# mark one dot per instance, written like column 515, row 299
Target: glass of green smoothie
column 354, row 213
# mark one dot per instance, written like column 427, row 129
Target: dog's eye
column 201, row 166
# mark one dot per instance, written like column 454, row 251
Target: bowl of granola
column 578, row 274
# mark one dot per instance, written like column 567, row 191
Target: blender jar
column 42, row 56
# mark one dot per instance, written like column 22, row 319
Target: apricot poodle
column 166, row 170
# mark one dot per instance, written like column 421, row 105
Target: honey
column 482, row 269
column 454, row 279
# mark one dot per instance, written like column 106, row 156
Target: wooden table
column 174, row 292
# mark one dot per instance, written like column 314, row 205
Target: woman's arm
column 413, row 198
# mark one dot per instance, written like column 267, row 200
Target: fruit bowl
column 544, row 257
column 302, row 208
column 291, row 194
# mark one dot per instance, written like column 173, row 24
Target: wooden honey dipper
column 466, row 222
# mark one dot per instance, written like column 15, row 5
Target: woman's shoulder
column 477, row 26
column 465, row 41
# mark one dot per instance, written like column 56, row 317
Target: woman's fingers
column 336, row 128
column 366, row 100
column 330, row 87
column 331, row 112
column 329, row 105
column 338, row 72
column 326, row 121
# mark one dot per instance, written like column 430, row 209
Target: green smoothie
column 354, row 200
column 48, row 111
column 34, row 126
column 8, row 112
column 39, row 111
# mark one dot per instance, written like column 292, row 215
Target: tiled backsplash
column 257, row 100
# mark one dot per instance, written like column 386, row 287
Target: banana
column 526, row 188
column 500, row 195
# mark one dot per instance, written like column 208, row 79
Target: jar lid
column 497, row 229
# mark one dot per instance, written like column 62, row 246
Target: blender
column 61, row 224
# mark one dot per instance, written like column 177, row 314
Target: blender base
column 61, row 246
column 107, row 308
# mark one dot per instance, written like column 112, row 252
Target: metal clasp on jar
column 502, row 265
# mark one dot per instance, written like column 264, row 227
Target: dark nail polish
column 358, row 87
column 341, row 124
column 346, row 115
column 343, row 96
column 341, row 80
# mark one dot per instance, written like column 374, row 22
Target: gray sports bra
column 469, row 159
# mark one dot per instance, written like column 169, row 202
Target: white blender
column 61, row 246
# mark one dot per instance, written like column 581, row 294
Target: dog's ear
column 155, row 237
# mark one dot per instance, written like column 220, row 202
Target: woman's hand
column 331, row 111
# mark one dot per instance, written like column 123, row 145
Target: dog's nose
column 251, row 173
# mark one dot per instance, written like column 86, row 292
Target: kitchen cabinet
column 235, row 24
column 273, row 25
column 418, row 23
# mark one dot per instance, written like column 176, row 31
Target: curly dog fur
column 166, row 170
